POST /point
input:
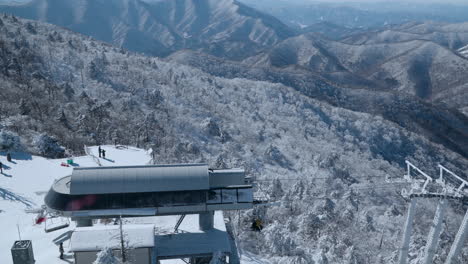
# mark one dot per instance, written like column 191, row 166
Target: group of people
column 102, row 152
column 8, row 156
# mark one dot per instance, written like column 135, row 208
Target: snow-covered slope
column 25, row 182
column 415, row 67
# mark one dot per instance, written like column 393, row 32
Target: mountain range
column 218, row 27
column 417, row 67
column 361, row 14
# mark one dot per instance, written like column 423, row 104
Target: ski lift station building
column 164, row 194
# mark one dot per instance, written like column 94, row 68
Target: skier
column 1, row 167
column 61, row 250
column 99, row 149
column 8, row 157
column 103, row 154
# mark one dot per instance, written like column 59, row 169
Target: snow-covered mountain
column 417, row 67
column 219, row 27
column 228, row 29
column 452, row 36
column 332, row 168
column 348, row 90
column 361, row 14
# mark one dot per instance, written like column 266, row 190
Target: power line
column 311, row 179
column 358, row 189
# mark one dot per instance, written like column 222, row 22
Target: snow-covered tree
column 9, row 141
column 218, row 258
column 106, row 256
column 49, row 146
column 277, row 191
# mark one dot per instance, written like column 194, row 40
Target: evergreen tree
column 68, row 91
column 277, row 189
column 63, row 119
column 94, row 71
column 24, row 107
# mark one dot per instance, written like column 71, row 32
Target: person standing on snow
column 99, row 149
column 1, row 167
column 61, row 250
column 103, row 154
column 8, row 157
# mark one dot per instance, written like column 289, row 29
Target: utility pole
column 122, row 243
column 436, row 229
column 459, row 241
column 403, row 258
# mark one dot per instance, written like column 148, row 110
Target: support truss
column 452, row 187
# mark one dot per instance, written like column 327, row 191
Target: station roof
column 99, row 237
column 137, row 179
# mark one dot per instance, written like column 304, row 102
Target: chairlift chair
column 54, row 223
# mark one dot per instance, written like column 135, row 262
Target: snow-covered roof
column 98, row 237
column 137, row 179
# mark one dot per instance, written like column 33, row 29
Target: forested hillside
column 332, row 170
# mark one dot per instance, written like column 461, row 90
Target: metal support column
column 206, row 221
column 458, row 242
column 403, row 258
column 436, row 229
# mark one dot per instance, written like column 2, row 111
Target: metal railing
column 453, row 178
column 427, row 179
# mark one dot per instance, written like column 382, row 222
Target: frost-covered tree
column 106, row 256
column 277, row 191
column 9, row 141
column 68, row 91
column 218, row 258
column 49, row 146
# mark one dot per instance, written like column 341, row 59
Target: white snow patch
column 97, row 238
column 24, row 185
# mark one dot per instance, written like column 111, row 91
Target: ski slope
column 25, row 182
